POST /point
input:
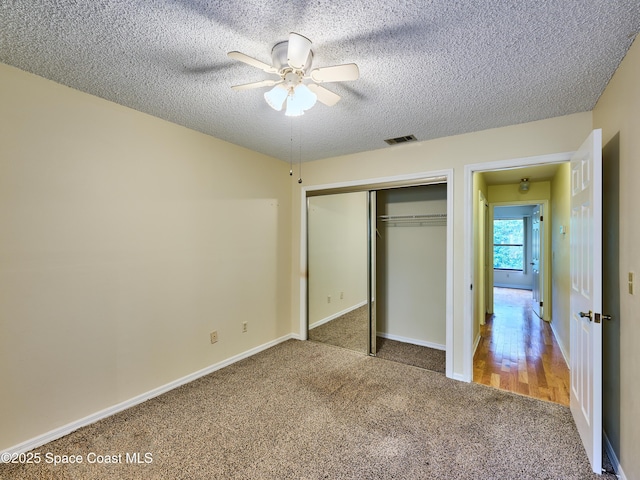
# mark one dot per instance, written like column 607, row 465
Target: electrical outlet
column 341, row 295
column 244, row 327
column 328, row 298
column 214, row 336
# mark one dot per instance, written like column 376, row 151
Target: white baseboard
column 460, row 377
column 515, row 286
column 107, row 412
column 414, row 341
column 475, row 344
column 561, row 346
column 336, row 315
column 613, row 457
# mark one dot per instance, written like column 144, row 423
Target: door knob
column 587, row 315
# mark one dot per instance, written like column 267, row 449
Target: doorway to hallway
column 518, row 352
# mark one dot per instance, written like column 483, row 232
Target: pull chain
column 300, row 152
column 291, row 148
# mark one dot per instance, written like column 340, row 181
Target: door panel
column 586, row 295
column 337, row 250
column 536, row 297
column 483, row 285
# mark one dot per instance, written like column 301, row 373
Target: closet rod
column 431, row 219
column 426, row 216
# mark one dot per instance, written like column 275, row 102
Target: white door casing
column 586, row 295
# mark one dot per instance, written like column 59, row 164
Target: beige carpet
column 304, row 410
column 352, row 331
column 410, row 354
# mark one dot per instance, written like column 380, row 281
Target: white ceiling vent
column 406, row 138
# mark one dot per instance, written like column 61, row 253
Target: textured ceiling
column 428, row 68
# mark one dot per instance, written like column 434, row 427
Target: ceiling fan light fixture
column 299, row 100
column 276, row 97
column 291, row 61
column 304, row 97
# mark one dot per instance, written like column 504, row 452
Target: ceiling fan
column 297, row 85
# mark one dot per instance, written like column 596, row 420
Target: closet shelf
column 430, row 219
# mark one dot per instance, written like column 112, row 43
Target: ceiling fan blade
column 263, row 83
column 338, row 73
column 324, row 96
column 251, row 61
column 298, row 51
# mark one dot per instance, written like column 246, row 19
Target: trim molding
column 475, row 344
column 107, row 412
column 413, row 341
column 322, row 321
column 560, row 345
column 613, row 457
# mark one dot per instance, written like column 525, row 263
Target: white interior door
column 586, row 295
column 482, row 259
column 536, row 298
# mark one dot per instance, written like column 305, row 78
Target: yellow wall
column 617, row 113
column 480, row 277
column 124, row 240
column 550, row 136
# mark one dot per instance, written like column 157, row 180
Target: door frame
column 382, row 183
column 469, row 266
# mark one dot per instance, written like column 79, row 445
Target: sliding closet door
column 339, row 270
column 372, row 234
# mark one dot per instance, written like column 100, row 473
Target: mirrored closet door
column 339, row 270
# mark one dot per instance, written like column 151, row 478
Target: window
column 508, row 244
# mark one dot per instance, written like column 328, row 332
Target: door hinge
column 542, row 304
column 541, row 218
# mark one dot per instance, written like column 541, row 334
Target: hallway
column 518, row 352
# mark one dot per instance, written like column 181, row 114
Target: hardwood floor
column 518, row 352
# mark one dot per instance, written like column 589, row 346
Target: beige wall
column 617, row 113
column 550, row 136
column 124, row 240
column 411, row 267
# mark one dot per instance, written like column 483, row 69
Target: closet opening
column 411, row 273
column 378, row 259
